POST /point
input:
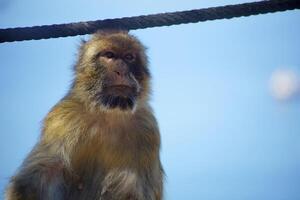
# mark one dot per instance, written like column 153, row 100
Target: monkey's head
column 112, row 71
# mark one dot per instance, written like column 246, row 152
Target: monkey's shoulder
column 146, row 119
column 66, row 116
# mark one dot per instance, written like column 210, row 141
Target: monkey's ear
column 81, row 43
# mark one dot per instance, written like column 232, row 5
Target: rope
column 147, row 21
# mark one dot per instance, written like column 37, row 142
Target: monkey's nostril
column 118, row 73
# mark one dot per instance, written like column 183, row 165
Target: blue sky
column 223, row 134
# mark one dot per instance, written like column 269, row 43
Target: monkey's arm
column 41, row 176
column 149, row 128
column 44, row 172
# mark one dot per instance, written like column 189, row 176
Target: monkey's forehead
column 117, row 42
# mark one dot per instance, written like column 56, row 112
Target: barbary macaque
column 101, row 141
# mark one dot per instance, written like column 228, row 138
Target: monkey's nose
column 120, row 72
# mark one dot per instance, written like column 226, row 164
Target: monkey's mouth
column 118, row 96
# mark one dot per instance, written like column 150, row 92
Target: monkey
column 101, row 141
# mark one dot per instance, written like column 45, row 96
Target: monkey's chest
column 115, row 150
column 114, row 166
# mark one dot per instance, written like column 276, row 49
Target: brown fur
column 87, row 151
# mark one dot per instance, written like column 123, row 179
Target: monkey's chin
column 118, row 97
column 118, row 102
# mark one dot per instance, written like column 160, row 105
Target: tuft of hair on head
column 107, row 31
column 103, row 33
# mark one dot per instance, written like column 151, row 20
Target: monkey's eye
column 129, row 57
column 109, row 54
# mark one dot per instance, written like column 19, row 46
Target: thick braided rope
column 147, row 21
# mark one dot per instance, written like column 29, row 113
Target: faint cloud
column 285, row 84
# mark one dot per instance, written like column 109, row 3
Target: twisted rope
column 147, row 21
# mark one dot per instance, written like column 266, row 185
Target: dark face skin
column 120, row 88
column 122, row 71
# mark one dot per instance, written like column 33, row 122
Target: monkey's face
column 113, row 71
